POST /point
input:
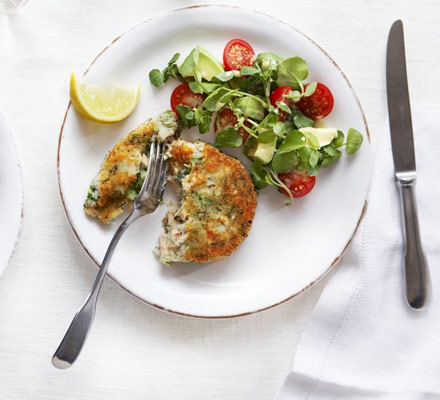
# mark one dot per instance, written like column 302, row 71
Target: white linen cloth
column 363, row 342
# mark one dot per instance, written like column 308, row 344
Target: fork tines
column 154, row 183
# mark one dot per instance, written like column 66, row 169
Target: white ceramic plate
column 289, row 248
column 11, row 194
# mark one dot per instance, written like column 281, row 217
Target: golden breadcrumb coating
column 121, row 174
column 217, row 206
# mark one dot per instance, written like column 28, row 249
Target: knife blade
column 399, row 108
column 402, row 141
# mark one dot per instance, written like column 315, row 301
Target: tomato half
column 237, row 54
column 227, row 119
column 319, row 104
column 182, row 95
column 299, row 183
column 278, row 95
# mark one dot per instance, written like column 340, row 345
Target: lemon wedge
column 103, row 104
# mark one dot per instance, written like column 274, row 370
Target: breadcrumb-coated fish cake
column 122, row 172
column 218, row 203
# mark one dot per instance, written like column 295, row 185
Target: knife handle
column 416, row 266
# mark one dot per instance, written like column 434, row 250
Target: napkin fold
column 362, row 341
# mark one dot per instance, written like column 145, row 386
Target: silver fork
column 146, row 202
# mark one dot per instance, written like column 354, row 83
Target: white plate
column 289, row 248
column 11, row 194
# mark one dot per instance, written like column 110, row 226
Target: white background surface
column 135, row 352
column 11, row 193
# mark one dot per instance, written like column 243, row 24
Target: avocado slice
column 323, row 135
column 208, row 65
column 263, row 152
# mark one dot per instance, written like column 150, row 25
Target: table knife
column 416, row 268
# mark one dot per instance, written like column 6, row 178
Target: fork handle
column 416, row 267
column 75, row 337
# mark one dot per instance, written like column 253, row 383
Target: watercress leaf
column 279, row 128
column 209, row 87
column 212, row 102
column 339, row 141
column 258, row 174
column 269, row 74
column 291, row 71
column 250, row 107
column 245, row 85
column 185, row 111
column 228, row 138
column 314, row 158
column 204, row 126
column 245, row 70
column 289, row 125
column 310, row 89
column 214, row 79
column 354, row 141
column 326, row 161
column 240, row 118
column 268, row 122
column 187, row 116
column 227, row 97
column 190, row 63
column 283, row 106
column 294, row 140
column 195, row 87
column 203, row 87
column 329, row 150
column 269, row 180
column 284, row 162
column 250, row 144
column 203, row 119
column 268, row 56
column 174, row 59
column 173, row 71
column 269, row 69
column 304, row 155
column 266, row 137
column 311, row 140
column 225, row 76
column 300, row 120
column 312, row 171
column 295, row 95
column 156, row 77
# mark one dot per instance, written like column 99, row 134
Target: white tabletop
column 136, row 352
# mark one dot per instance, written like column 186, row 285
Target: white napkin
column 362, row 341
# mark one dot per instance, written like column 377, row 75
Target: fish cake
column 122, row 172
column 217, row 206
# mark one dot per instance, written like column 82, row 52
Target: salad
column 263, row 104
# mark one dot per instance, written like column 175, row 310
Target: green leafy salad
column 261, row 103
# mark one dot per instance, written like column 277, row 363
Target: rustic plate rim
column 335, row 261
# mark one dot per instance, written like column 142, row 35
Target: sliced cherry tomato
column 278, row 95
column 299, row 183
column 227, row 119
column 319, row 104
column 237, row 54
column 182, row 95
